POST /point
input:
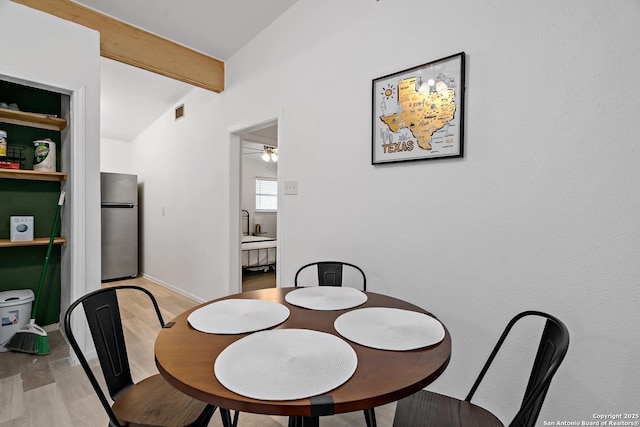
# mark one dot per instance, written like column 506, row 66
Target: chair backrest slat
column 553, row 346
column 103, row 317
column 330, row 274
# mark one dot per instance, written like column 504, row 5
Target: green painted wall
column 20, row 267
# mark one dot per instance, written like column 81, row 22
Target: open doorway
column 259, row 206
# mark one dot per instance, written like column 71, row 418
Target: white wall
column 541, row 213
column 115, row 156
column 181, row 170
column 41, row 50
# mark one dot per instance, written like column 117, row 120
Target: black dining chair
column 150, row 402
column 330, row 273
column 428, row 409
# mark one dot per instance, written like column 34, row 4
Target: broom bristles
column 30, row 339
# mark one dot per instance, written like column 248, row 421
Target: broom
column 32, row 338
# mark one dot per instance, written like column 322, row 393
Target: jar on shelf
column 44, row 155
column 3, row 143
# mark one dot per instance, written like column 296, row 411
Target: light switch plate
column 291, row 187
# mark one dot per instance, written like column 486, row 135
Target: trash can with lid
column 15, row 312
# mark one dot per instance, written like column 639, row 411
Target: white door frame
column 235, row 181
column 73, row 272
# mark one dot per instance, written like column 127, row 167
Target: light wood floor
column 39, row 391
column 252, row 281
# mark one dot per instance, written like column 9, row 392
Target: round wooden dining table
column 185, row 358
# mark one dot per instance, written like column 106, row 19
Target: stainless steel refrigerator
column 119, row 202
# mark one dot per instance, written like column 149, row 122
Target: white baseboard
column 172, row 287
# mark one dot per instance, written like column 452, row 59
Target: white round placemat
column 285, row 364
column 238, row 316
column 326, row 298
column 389, row 328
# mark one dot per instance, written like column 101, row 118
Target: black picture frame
column 418, row 113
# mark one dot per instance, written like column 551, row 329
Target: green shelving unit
column 28, row 192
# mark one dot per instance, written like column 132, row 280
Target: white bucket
column 15, row 312
column 44, row 155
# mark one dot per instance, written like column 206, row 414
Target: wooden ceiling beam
column 125, row 43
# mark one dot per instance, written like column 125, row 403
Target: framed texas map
column 418, row 114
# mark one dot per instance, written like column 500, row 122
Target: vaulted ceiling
column 131, row 98
column 217, row 28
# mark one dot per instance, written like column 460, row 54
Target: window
column 266, row 194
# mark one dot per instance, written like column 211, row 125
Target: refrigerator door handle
column 119, row 205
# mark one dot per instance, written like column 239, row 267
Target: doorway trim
column 75, row 277
column 235, row 181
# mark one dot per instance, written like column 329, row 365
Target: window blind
column 266, row 194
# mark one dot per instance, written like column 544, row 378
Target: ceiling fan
column 267, row 153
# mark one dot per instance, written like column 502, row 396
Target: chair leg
column 205, row 417
column 304, row 422
column 225, row 415
column 311, row 422
column 370, row 417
